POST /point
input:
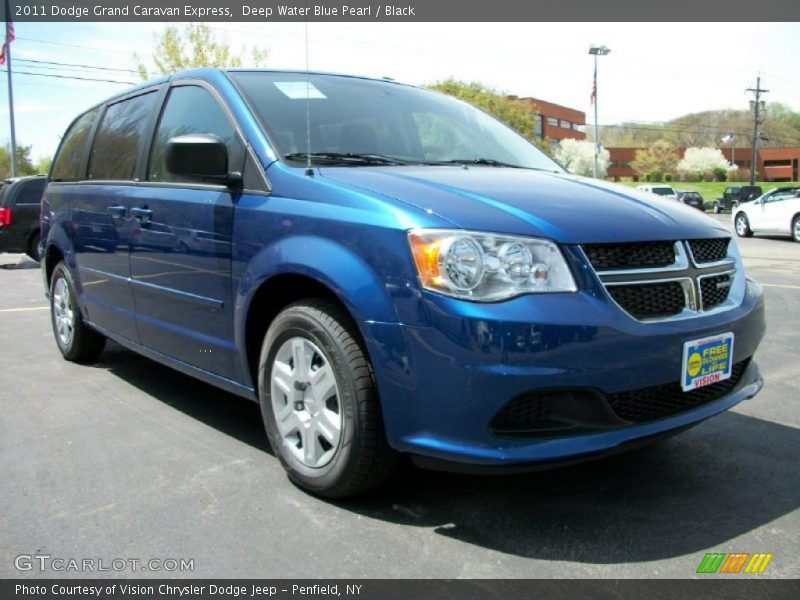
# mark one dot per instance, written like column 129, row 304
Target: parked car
column 377, row 302
column 693, row 199
column 20, row 200
column 665, row 191
column 735, row 196
column 776, row 212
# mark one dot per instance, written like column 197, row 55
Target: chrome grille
column 665, row 280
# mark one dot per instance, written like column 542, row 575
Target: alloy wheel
column 64, row 315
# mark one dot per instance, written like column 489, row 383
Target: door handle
column 116, row 212
column 145, row 215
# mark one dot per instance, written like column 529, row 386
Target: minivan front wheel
column 76, row 341
column 319, row 402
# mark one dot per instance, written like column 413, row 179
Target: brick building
column 772, row 164
column 557, row 122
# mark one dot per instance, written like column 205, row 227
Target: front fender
column 338, row 268
column 346, row 274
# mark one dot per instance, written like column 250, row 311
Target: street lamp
column 596, row 51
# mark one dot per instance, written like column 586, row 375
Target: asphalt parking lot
column 129, row 459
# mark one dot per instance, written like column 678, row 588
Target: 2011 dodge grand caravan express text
column 389, row 271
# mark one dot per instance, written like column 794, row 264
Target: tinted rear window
column 119, row 138
column 30, row 192
column 70, row 162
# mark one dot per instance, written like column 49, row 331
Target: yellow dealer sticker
column 706, row 361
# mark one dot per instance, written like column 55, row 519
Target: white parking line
column 27, row 308
column 778, row 285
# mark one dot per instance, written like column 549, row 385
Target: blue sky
column 655, row 71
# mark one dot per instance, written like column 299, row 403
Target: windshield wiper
column 479, row 161
column 346, row 158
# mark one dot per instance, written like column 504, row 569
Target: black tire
column 33, row 246
column 84, row 345
column 717, row 208
column 796, row 228
column 742, row 226
column 734, row 206
column 362, row 458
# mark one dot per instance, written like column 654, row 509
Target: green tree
column 43, row 165
column 24, row 164
column 195, row 45
column 517, row 114
column 659, row 157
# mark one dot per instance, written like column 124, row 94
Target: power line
column 76, row 65
column 27, row 39
column 75, row 77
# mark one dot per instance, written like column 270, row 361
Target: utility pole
column 757, row 91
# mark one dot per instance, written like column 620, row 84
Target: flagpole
column 596, row 137
column 7, row 43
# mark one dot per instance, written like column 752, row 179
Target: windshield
column 382, row 122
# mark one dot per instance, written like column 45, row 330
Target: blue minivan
column 389, row 272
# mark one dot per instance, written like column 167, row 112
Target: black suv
column 20, row 199
column 736, row 195
column 693, row 199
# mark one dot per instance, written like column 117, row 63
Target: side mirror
column 200, row 156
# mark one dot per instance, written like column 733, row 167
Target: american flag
column 594, row 93
column 9, row 37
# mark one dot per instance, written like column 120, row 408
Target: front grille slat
column 665, row 400
column 710, row 250
column 636, row 255
column 650, row 300
column 714, row 290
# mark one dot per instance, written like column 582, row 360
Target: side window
column 189, row 109
column 69, row 163
column 119, row 138
column 31, row 192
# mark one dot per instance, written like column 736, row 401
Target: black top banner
column 403, row 10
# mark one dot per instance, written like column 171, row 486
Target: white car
column 776, row 212
column 665, row 191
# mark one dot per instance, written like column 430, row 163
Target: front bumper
column 442, row 385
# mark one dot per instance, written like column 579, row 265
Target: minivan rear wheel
column 319, row 402
column 75, row 339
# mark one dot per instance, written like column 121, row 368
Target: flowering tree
column 577, row 156
column 702, row 160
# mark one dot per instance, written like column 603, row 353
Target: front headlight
column 487, row 266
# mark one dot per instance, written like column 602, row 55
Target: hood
column 558, row 206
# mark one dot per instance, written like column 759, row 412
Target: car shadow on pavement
column 24, row 263
column 228, row 413
column 695, row 491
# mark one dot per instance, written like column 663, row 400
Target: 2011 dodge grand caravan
column 389, row 271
